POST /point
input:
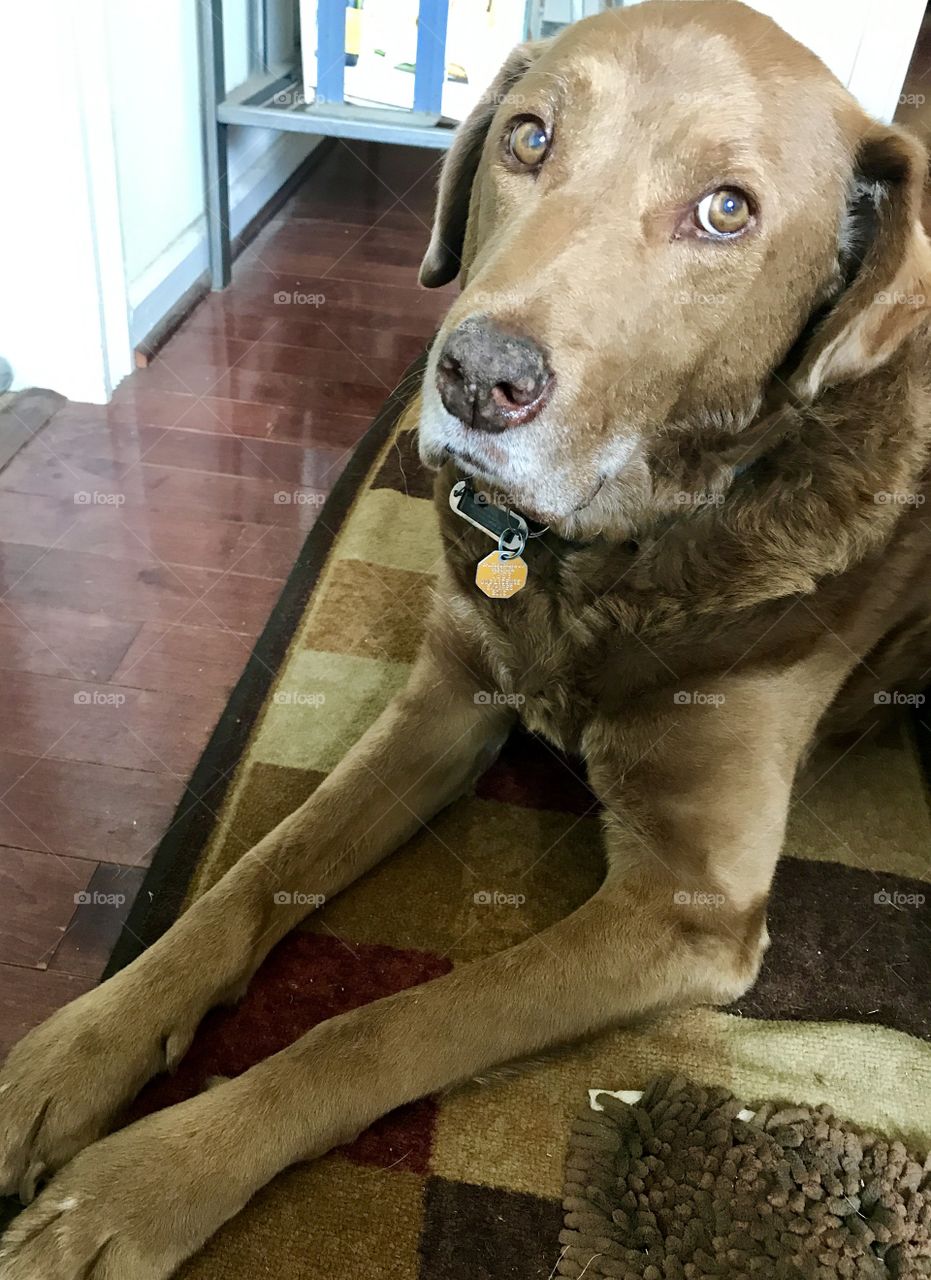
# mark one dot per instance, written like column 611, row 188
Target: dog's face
column 645, row 213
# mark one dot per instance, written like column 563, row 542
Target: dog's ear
column 444, row 254
column 885, row 256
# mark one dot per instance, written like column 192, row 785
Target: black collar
column 508, row 527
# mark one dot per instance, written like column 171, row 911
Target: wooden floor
column 142, row 546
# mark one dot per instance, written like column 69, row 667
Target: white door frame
column 95, row 107
column 886, row 47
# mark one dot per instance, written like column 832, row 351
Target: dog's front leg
column 148, row 1196
column 135, row 1204
column 64, row 1083
column 696, row 804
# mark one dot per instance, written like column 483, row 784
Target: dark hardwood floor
column 142, row 547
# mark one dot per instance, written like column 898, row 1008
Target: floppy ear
column 444, row 254
column 890, row 265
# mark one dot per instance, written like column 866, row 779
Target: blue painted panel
column 331, row 49
column 431, row 55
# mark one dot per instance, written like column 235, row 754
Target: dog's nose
column 490, row 379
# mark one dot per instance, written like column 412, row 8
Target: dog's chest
column 553, row 650
column 546, row 664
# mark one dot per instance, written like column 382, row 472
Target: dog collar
column 503, row 573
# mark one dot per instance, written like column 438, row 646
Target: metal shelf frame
column 274, row 99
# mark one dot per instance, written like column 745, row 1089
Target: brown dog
column 691, row 342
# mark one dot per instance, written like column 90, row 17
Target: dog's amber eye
column 528, row 142
column 723, row 212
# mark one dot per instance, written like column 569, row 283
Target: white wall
column 54, row 327
column 867, row 43
column 152, row 58
column 102, row 222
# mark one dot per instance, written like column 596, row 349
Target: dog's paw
column 132, row 1206
column 84, row 1226
column 63, row 1237
column 63, row 1085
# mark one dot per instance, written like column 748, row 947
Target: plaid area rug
column 469, row 1185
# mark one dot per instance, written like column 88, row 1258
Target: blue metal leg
column 331, row 50
column 431, row 56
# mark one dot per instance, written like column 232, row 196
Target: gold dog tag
column 499, row 578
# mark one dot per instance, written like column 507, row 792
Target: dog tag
column 500, row 578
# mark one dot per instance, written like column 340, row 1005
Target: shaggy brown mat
column 685, row 1184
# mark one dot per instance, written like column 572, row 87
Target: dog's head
column 651, row 215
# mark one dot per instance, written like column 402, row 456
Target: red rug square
column 306, row 979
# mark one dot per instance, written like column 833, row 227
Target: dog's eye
column 724, row 212
column 528, row 142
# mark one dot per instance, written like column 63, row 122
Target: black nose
column 490, row 379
